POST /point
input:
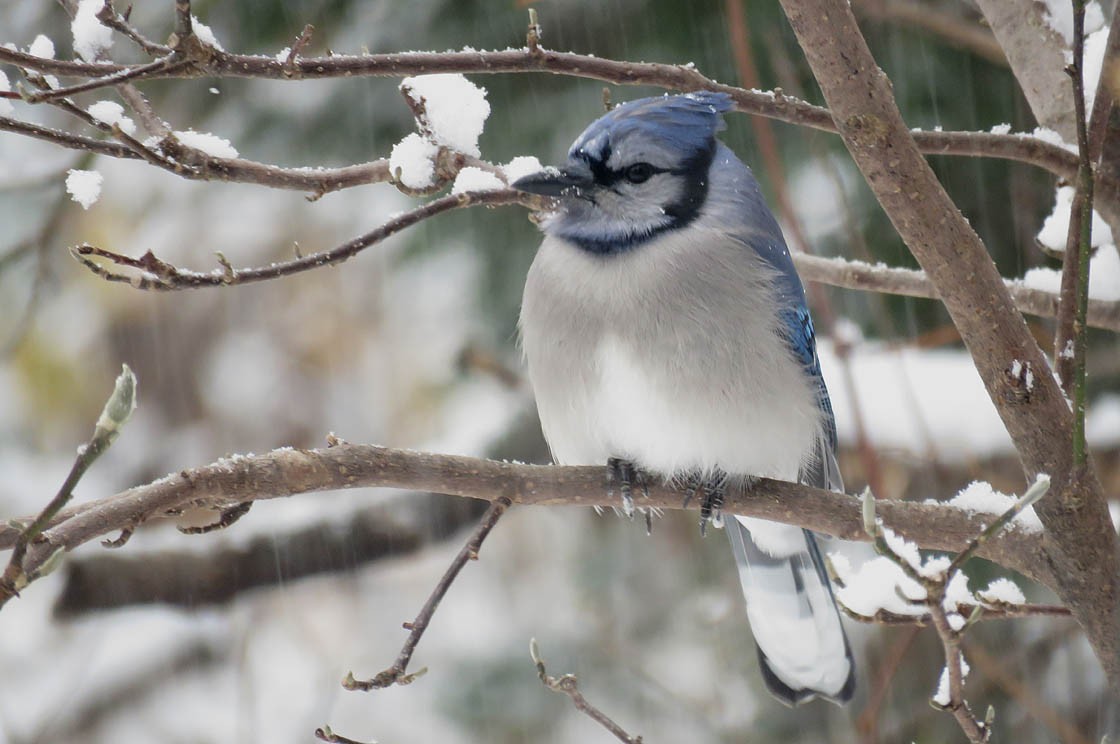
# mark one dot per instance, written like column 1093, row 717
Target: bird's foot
column 710, row 489
column 627, row 476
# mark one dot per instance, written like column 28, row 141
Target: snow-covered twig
column 934, row 579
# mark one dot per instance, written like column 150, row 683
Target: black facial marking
column 681, row 212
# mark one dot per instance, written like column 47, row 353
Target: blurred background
column 244, row 634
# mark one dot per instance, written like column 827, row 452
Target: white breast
column 664, row 360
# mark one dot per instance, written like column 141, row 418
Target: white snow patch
column 476, row 179
column 1055, row 228
column 412, row 161
column 903, row 548
column 1002, row 591
column 84, row 186
column 1102, row 421
column 941, row 697
column 6, row 106
column 1092, row 64
column 91, row 38
column 205, row 34
column 1104, row 276
column 1022, row 371
column 282, row 55
column 1001, row 129
column 521, row 166
column 912, row 399
column 956, row 593
column 211, row 144
column 41, row 47
column 980, row 497
column 111, row 112
column 1051, row 137
column 455, row 109
column 876, row 585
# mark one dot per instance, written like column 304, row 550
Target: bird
column 666, row 333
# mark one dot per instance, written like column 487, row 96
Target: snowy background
column 385, row 349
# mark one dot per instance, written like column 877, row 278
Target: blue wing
column 797, row 326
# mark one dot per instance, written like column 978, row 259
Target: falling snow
column 84, row 186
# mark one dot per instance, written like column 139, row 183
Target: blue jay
column 665, row 330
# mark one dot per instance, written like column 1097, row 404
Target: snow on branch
column 901, row 581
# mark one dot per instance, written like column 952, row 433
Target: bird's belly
column 674, row 417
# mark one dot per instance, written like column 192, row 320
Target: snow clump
column 455, row 109
column 91, row 37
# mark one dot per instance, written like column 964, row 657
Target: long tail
column 802, row 648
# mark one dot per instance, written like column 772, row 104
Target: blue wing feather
column 797, row 326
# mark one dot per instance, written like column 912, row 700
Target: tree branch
column 776, row 105
column 1080, row 540
column 160, row 275
column 288, row 471
column 397, row 673
column 840, row 272
column 569, row 685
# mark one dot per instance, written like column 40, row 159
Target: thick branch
column 1081, row 542
column 288, row 471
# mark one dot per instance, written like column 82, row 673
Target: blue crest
column 681, row 125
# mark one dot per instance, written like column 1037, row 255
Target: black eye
column 639, row 172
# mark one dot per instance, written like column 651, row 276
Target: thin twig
column 301, row 41
column 114, row 20
column 169, row 62
column 326, row 734
column 983, row 612
column 569, row 685
column 159, row 275
column 116, row 412
column 183, row 26
column 1037, row 490
column 397, row 673
column 935, row 585
column 1080, row 237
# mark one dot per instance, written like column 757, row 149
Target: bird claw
column 710, row 489
column 624, row 472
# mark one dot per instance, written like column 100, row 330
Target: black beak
column 556, row 181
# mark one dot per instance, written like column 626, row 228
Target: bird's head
column 635, row 172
